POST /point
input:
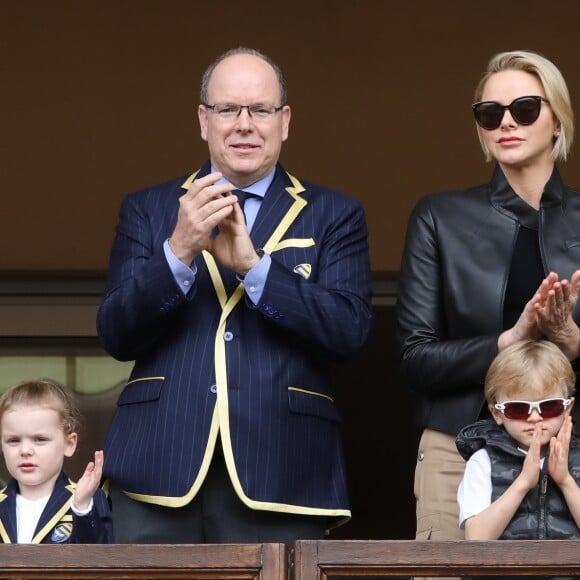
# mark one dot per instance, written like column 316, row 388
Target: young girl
column 40, row 504
column 523, row 466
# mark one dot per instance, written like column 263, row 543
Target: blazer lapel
column 280, row 207
column 56, row 511
column 8, row 529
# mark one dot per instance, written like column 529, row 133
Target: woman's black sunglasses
column 524, row 110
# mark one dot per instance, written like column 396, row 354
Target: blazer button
column 213, row 388
column 228, row 336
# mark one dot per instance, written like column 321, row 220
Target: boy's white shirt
column 474, row 491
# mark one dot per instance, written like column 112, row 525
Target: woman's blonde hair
column 537, row 365
column 554, row 86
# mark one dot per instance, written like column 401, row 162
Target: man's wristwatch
column 260, row 253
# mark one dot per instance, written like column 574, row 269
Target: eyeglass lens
column 521, row 410
column 524, row 110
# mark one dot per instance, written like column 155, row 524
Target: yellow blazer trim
column 177, row 502
column 217, row 281
column 299, row 204
column 187, row 183
column 294, row 243
column 311, row 393
column 4, row 534
column 140, row 379
column 60, row 515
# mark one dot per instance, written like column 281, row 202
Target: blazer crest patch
column 303, row 270
column 61, row 533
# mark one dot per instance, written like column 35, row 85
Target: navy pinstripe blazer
column 212, row 364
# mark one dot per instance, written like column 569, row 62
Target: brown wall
column 99, row 99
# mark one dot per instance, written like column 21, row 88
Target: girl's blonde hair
column 44, row 394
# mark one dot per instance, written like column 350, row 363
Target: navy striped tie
column 243, row 196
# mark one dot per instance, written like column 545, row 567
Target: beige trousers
column 438, row 472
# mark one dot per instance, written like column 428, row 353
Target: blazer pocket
column 308, row 402
column 142, row 390
column 573, row 242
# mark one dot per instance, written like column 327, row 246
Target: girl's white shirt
column 28, row 513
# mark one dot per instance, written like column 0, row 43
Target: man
column 227, row 431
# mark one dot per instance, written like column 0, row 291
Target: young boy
column 40, row 505
column 523, row 466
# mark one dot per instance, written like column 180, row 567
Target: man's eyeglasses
column 230, row 111
column 524, row 110
column 521, row 410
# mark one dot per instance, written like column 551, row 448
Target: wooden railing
column 312, row 560
column 304, row 560
column 163, row 562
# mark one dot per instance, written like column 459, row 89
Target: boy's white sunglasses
column 521, row 410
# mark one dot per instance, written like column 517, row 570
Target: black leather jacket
column 452, row 283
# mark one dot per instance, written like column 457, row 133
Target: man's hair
column 205, row 79
column 43, row 394
column 537, row 365
column 554, row 85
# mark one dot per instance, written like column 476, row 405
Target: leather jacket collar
column 507, row 201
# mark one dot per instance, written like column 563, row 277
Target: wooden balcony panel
column 312, row 560
column 152, row 561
